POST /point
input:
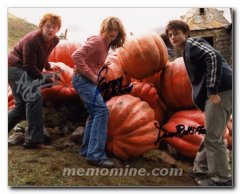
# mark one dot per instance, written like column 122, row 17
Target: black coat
column 208, row 71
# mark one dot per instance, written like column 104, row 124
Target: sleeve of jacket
column 30, row 60
column 80, row 55
column 212, row 60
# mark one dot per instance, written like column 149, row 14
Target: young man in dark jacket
column 211, row 80
column 25, row 64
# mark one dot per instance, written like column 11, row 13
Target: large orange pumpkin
column 63, row 51
column 131, row 129
column 175, row 87
column 188, row 144
column 63, row 90
column 143, row 56
column 112, row 79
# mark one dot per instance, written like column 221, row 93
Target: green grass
column 17, row 28
column 44, row 167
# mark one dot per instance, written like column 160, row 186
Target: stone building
column 210, row 24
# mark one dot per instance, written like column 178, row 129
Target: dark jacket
column 208, row 71
column 31, row 53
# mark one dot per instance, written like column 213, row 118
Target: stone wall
column 222, row 41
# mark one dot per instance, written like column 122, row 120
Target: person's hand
column 56, row 69
column 107, row 63
column 215, row 99
column 49, row 82
column 53, row 69
column 49, row 69
column 95, row 80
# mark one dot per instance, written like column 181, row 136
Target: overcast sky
column 84, row 22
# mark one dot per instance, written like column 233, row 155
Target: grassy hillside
column 17, row 28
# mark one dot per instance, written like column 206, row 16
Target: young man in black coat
column 211, row 80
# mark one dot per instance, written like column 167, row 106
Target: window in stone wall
column 209, row 39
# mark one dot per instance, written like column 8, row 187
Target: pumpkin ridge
column 140, row 117
column 160, row 54
column 139, row 132
column 141, row 50
column 162, row 50
column 138, row 55
column 114, row 110
column 137, row 121
column 175, row 86
column 126, row 116
column 145, row 139
column 117, row 148
column 183, row 146
column 141, row 58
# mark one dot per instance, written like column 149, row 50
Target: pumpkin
column 230, row 125
column 131, row 129
column 154, row 79
column 175, row 88
column 161, row 111
column 11, row 103
column 63, row 51
column 112, row 58
column 147, row 92
column 115, row 71
column 228, row 135
column 63, row 90
column 10, row 95
column 188, row 144
column 143, row 56
column 112, row 79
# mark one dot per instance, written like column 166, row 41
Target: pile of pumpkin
column 159, row 100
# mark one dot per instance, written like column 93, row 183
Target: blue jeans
column 95, row 131
column 29, row 109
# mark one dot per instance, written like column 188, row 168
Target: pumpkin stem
column 63, row 36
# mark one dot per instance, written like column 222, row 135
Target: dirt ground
column 45, row 167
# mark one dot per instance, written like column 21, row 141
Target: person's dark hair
column 178, row 24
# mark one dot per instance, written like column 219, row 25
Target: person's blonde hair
column 107, row 25
column 54, row 19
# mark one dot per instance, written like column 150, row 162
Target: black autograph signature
column 181, row 131
column 111, row 88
